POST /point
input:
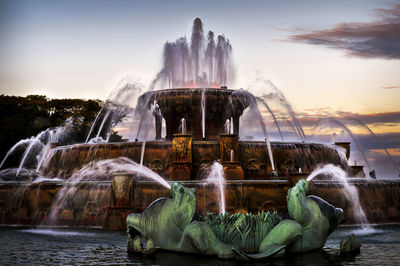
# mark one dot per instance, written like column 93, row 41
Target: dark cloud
column 378, row 39
column 390, row 87
column 310, row 117
column 388, row 141
column 390, row 117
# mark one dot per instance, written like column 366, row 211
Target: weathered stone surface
column 380, row 199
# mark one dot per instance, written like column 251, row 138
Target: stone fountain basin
column 95, row 205
column 251, row 155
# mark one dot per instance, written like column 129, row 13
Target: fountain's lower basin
column 97, row 203
column 66, row 246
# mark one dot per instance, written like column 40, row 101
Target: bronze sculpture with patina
column 168, row 224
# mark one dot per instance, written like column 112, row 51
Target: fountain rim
column 278, row 181
column 184, row 90
column 169, row 142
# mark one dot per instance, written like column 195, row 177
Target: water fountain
column 99, row 183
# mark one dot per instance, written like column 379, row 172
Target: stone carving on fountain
column 168, row 224
column 253, row 165
column 182, row 157
column 156, row 165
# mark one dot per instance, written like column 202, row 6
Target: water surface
column 94, row 246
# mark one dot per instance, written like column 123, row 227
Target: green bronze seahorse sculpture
column 168, row 224
column 313, row 221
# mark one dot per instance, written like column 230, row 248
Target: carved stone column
column 122, row 184
column 182, row 157
column 229, row 154
column 158, row 121
column 236, row 119
column 121, row 201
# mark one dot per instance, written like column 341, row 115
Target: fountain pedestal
column 182, row 157
column 204, row 109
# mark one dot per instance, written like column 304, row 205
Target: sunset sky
column 329, row 58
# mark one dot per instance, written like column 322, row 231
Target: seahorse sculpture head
column 164, row 220
column 184, row 204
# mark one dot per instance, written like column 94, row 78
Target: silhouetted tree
column 23, row 117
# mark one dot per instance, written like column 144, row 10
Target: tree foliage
column 23, row 117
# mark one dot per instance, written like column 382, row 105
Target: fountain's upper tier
column 201, row 107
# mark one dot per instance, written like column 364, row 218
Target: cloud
column 310, row 117
column 378, row 39
column 375, row 118
column 390, row 87
column 388, row 141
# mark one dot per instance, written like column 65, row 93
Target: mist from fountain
column 40, row 145
column 216, row 177
column 272, row 114
column 290, row 124
column 342, row 154
column 281, row 98
column 56, row 136
column 377, row 141
column 93, row 124
column 194, row 65
column 142, row 152
column 228, row 126
column 209, row 56
column 256, row 111
column 99, row 170
column 183, row 126
column 336, row 173
column 118, row 105
column 44, row 156
column 97, row 140
column 114, row 112
column 35, row 141
column 155, row 111
column 196, row 48
column 292, row 113
column 145, row 115
column 102, row 123
column 330, row 121
column 20, row 143
column 267, row 94
column 252, row 115
column 203, row 113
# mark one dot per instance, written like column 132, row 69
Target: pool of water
column 18, row 245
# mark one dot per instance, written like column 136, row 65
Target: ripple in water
column 56, row 232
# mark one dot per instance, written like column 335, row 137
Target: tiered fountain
column 100, row 184
column 251, row 182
